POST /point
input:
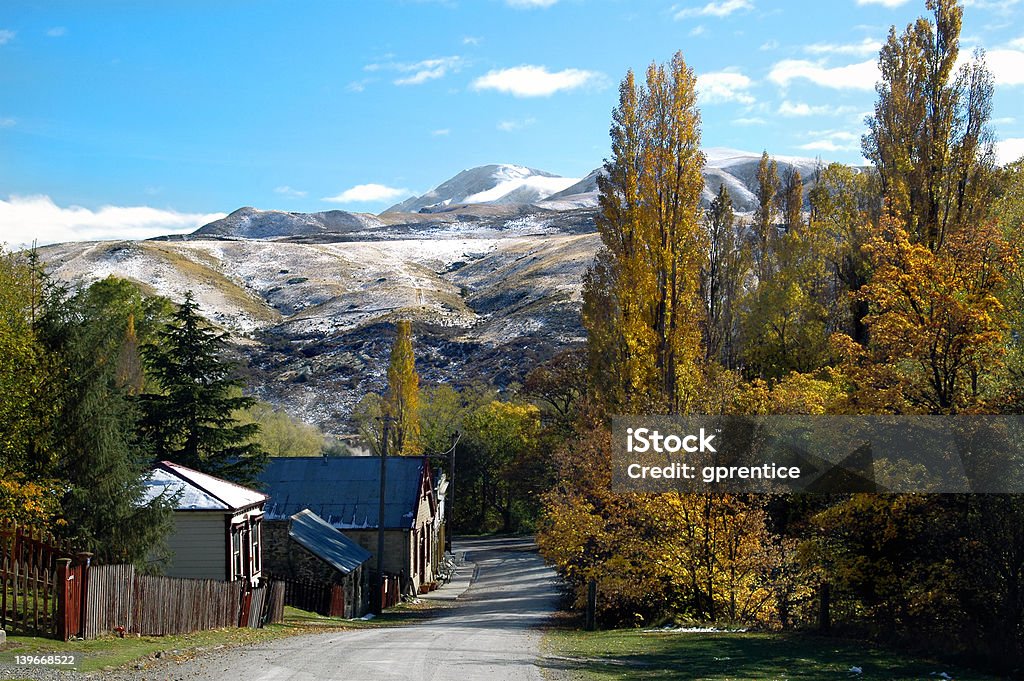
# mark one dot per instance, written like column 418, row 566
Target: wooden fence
column 336, row 600
column 42, row 583
column 48, row 590
column 121, row 600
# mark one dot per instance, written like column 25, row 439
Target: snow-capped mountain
column 252, row 223
column 488, row 266
column 493, row 184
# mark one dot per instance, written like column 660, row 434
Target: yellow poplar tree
column 402, row 403
column 642, row 304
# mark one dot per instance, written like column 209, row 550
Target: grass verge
column 113, row 652
column 713, row 656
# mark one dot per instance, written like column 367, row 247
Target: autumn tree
column 401, row 403
column 641, row 299
column 929, row 137
column 845, row 208
column 791, row 199
column 766, row 215
column 281, row 434
column 722, row 279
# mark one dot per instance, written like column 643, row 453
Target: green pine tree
column 191, row 419
column 99, row 455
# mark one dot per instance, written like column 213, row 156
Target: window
column 256, row 539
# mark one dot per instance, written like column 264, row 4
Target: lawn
column 113, row 652
column 678, row 656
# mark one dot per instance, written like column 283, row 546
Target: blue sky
column 132, row 118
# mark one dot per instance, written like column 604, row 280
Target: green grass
column 633, row 654
column 113, row 652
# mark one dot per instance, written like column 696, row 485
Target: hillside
column 488, row 266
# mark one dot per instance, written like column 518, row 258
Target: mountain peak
column 498, row 183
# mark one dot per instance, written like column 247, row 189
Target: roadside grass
column 113, row 652
column 683, row 656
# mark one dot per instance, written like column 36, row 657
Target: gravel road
column 488, row 633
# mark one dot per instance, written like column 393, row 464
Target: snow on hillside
column 501, row 183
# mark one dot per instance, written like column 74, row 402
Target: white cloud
column 799, row 109
column 367, row 193
column 885, row 3
column 1007, row 66
column 860, row 76
column 38, row 218
column 472, row 40
column 57, row 32
column 825, row 145
column 998, row 6
column 1017, row 43
column 535, row 81
column 750, row 121
column 417, row 73
column 8, row 122
column 1009, row 150
column 697, row 30
column 770, row 45
column 864, row 48
column 512, row 126
column 441, row 132
column 6, row 36
column 724, row 86
column 529, row 4
column 285, row 190
column 428, row 69
column 723, row 8
column 832, row 141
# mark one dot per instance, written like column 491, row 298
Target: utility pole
column 450, row 520
column 379, row 597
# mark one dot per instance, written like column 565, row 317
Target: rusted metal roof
column 344, row 490
column 325, row 542
column 198, row 491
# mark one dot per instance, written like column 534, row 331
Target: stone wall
column 285, row 558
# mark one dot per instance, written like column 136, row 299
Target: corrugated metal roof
column 343, row 490
column 325, row 542
column 198, row 491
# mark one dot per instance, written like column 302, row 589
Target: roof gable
column 198, row 491
column 344, row 490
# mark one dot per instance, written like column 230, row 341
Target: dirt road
column 489, row 633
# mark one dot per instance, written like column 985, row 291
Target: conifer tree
column 99, row 454
column 642, row 303
column 191, row 419
column 402, row 403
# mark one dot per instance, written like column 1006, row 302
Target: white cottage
column 217, row 524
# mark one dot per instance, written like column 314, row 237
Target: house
column 307, row 549
column 217, row 524
column 345, row 492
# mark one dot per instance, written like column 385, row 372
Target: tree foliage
column 401, row 404
column 190, row 418
column 929, row 138
column 641, row 302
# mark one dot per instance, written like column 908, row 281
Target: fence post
column 85, row 558
column 63, row 579
column 243, row 616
